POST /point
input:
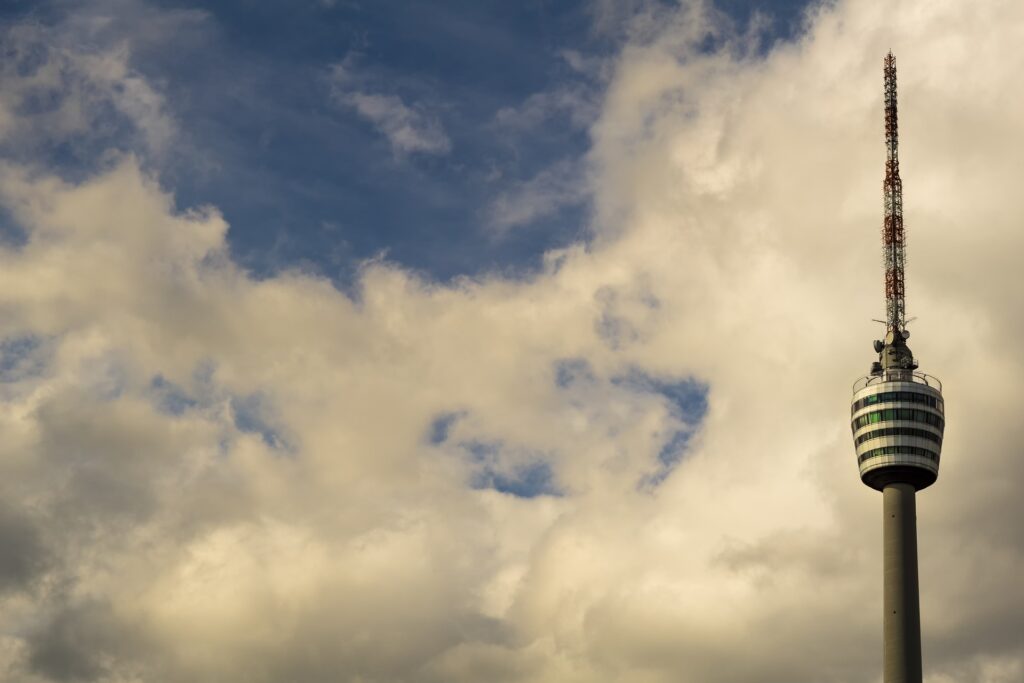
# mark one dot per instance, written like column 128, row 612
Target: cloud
column 616, row 19
column 211, row 476
column 25, row 558
column 573, row 101
column 560, row 185
column 409, row 130
column 406, row 129
column 548, row 117
column 70, row 83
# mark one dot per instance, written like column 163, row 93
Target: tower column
column 902, row 620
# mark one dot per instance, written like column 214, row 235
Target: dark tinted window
column 892, row 396
column 908, row 414
column 899, row 431
column 899, row 450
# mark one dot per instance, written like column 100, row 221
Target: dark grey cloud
column 23, row 552
column 77, row 643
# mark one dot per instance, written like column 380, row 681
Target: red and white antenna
column 894, row 240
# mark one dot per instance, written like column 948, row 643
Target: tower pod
column 898, row 418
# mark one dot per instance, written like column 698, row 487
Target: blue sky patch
column 670, row 455
column 527, row 481
column 21, row 357
column 450, row 137
column 253, row 415
column 526, row 478
column 12, row 234
column 169, row 397
column 441, row 426
column 687, row 400
column 568, row 371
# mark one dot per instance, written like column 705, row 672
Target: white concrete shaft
column 902, row 621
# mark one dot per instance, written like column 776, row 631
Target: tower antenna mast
column 894, row 243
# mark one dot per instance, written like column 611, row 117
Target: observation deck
column 898, row 420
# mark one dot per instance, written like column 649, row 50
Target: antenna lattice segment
column 893, row 237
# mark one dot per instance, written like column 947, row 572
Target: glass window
column 899, row 450
column 899, row 431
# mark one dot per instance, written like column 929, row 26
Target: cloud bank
column 633, row 466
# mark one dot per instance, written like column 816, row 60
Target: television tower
column 898, row 422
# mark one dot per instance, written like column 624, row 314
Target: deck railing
column 898, row 376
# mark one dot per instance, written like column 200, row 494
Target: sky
column 443, row 342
